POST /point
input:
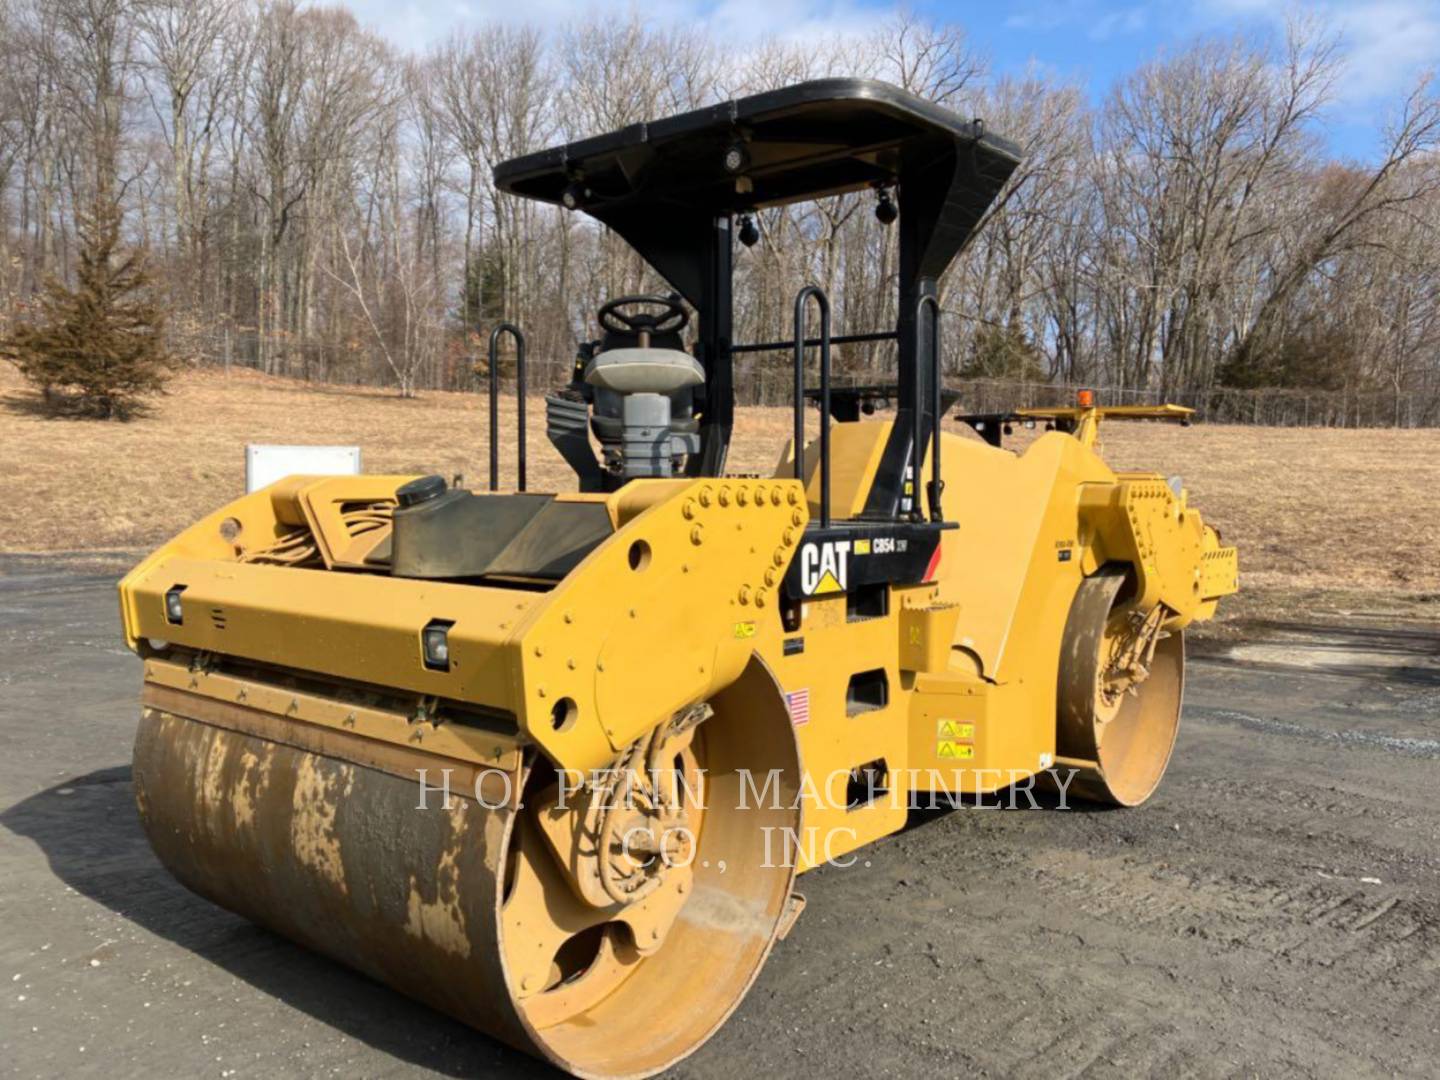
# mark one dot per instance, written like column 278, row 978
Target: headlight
column 435, row 644
column 174, row 612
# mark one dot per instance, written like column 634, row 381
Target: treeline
column 317, row 203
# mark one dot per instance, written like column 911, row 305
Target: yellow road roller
column 552, row 762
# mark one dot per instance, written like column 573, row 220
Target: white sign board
column 266, row 464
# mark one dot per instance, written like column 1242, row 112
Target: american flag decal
column 798, row 702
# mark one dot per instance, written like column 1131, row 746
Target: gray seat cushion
column 644, row 371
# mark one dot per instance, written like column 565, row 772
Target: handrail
column 936, row 487
column 800, row 344
column 839, row 339
column 519, row 336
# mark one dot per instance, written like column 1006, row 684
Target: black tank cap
column 422, row 490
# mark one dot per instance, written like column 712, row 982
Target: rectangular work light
column 435, row 644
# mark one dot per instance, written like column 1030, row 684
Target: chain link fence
column 767, row 380
column 1417, row 405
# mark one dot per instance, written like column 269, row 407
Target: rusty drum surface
column 337, row 855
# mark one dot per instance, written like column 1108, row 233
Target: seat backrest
column 644, row 371
column 619, row 339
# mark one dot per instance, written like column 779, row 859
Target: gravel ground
column 1275, row 910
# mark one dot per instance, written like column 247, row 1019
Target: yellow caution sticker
column 949, row 750
column 954, row 729
column 744, row 629
column 862, row 547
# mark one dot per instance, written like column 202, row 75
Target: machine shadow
column 926, row 810
column 89, row 831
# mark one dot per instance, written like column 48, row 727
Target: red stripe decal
column 934, row 562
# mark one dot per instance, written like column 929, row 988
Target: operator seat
column 639, row 390
column 644, row 370
column 643, row 387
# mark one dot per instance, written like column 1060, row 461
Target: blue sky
column 1387, row 42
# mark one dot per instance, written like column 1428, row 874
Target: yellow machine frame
column 969, row 659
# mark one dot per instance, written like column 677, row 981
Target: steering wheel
column 671, row 319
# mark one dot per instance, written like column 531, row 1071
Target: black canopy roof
column 804, row 142
column 664, row 186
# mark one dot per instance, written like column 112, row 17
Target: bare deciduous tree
column 322, row 204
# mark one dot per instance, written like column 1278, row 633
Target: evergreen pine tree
column 96, row 349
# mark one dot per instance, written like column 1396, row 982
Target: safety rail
column 801, row 343
column 936, row 486
column 519, row 336
column 839, row 339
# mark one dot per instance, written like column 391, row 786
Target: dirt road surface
column 1275, row 910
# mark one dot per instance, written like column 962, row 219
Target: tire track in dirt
column 1366, row 934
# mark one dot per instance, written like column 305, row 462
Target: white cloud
column 413, row 24
column 1387, row 43
column 1121, row 21
column 1100, row 18
column 1046, row 17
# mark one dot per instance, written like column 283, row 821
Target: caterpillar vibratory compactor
column 552, row 762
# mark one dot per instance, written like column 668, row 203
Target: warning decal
column 954, row 740
column 954, row 729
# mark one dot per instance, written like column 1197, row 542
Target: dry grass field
column 1328, row 522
